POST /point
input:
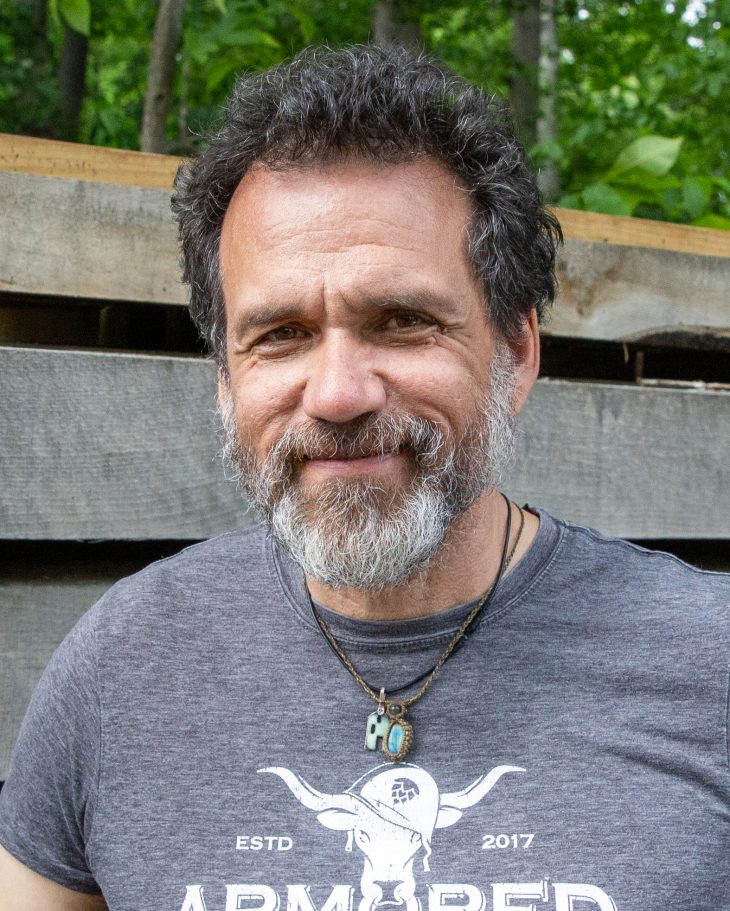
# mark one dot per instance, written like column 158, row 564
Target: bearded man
column 544, row 711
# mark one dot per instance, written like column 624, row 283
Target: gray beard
column 366, row 533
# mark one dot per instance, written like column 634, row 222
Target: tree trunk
column 72, row 81
column 387, row 27
column 524, row 88
column 165, row 43
column 547, row 123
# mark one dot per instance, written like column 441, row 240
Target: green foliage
column 640, row 95
column 645, row 78
column 29, row 98
column 641, row 182
column 646, row 155
column 117, row 72
column 473, row 39
column 75, row 13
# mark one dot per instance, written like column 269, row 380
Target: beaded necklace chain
column 387, row 726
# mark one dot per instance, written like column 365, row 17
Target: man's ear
column 526, row 352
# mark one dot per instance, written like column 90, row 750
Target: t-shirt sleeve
column 47, row 804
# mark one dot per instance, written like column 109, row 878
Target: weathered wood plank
column 121, row 166
column 75, row 161
column 641, row 232
column 114, row 447
column 121, row 447
column 610, row 292
column 87, row 240
column 631, row 461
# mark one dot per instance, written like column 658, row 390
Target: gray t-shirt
column 194, row 744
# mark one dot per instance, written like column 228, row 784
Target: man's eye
column 281, row 334
column 408, row 320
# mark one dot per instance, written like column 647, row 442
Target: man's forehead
column 424, row 178
column 341, row 240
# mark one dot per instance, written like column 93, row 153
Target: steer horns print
column 390, row 814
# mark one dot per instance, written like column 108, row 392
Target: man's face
column 368, row 401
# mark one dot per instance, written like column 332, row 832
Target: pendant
column 387, row 729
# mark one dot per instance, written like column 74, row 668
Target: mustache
column 371, row 435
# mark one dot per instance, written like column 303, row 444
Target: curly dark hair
column 382, row 104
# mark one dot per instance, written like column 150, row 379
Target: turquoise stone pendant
column 387, row 729
column 377, row 730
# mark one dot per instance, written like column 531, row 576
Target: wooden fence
column 107, row 424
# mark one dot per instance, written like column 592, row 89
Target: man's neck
column 464, row 568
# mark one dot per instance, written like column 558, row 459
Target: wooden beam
column 75, row 161
column 631, row 461
column 77, row 239
column 74, row 238
column 122, row 447
column 610, row 292
column 120, row 166
column 112, row 447
column 641, row 232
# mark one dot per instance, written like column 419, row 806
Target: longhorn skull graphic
column 390, row 814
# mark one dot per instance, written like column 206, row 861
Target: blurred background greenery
column 621, row 105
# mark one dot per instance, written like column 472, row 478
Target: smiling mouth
column 344, row 463
column 348, row 456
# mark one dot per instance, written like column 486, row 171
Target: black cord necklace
column 387, row 726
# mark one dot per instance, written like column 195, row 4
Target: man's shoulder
column 627, row 569
column 194, row 580
column 232, row 553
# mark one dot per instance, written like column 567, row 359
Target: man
column 545, row 712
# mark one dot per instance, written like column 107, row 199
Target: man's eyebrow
column 412, row 300
column 263, row 315
column 260, row 316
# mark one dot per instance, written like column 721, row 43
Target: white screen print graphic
column 390, row 814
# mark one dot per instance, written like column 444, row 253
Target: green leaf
column 77, row 14
column 695, row 198
column 654, row 154
column 642, row 180
column 250, row 38
column 220, row 71
column 307, row 24
column 220, row 5
column 633, row 196
column 713, row 221
column 671, row 201
column 547, row 149
column 570, row 201
column 599, row 197
column 722, row 183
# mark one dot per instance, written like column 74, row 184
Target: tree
column 389, row 28
column 588, row 79
column 165, row 43
column 547, row 120
column 524, row 86
column 72, row 81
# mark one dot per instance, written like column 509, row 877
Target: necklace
column 387, row 726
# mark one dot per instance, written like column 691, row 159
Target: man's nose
column 341, row 383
